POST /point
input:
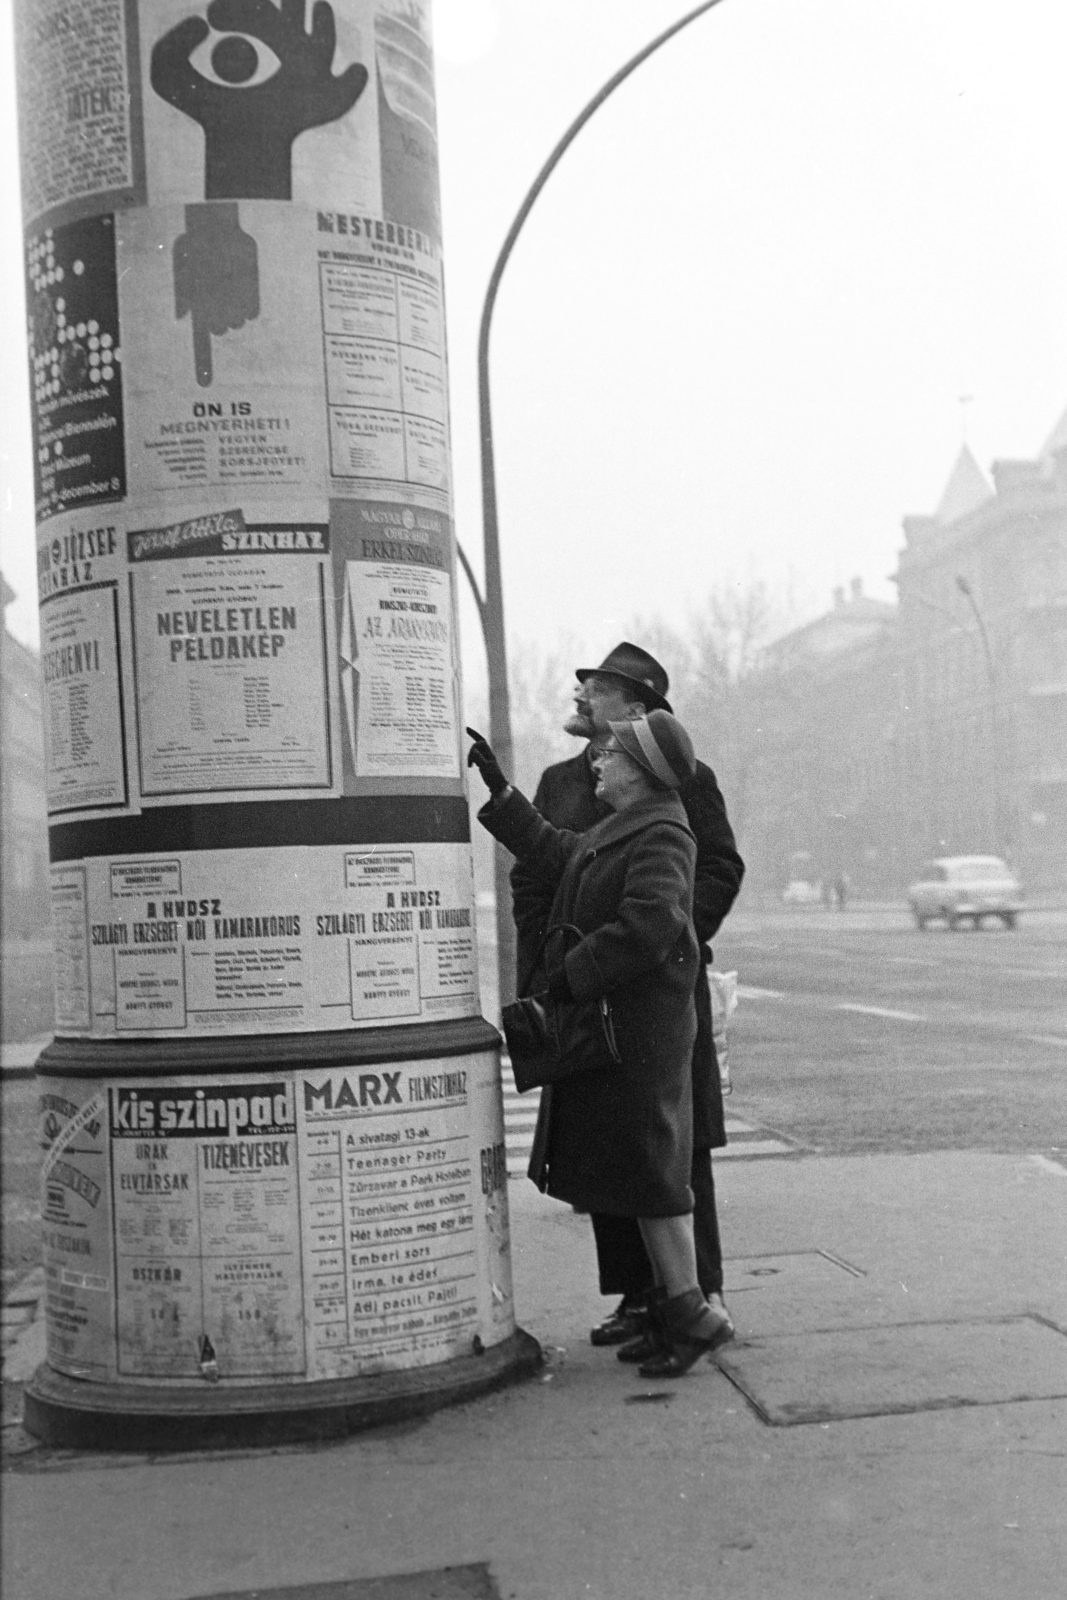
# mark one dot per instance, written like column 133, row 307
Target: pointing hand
column 482, row 757
column 216, row 278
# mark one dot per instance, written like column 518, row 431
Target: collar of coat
column 619, row 825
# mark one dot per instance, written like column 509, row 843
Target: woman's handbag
column 550, row 1039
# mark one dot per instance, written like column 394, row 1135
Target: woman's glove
column 482, row 757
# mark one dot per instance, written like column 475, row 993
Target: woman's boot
column 692, row 1329
column 653, row 1338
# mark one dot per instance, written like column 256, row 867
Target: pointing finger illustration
column 201, row 351
column 216, row 278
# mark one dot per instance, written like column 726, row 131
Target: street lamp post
column 1000, row 810
column 491, row 603
column 965, row 589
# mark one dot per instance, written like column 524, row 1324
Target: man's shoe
column 646, row 1345
column 653, row 1340
column 629, row 1318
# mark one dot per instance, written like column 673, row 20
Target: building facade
column 891, row 734
column 983, row 642
column 825, row 701
column 24, row 908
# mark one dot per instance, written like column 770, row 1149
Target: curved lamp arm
column 568, row 138
column 491, row 603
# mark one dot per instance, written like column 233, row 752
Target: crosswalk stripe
column 753, row 1147
column 880, row 1011
column 520, row 1120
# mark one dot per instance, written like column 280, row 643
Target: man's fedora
column 636, row 666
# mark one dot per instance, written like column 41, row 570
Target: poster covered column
column 267, row 1111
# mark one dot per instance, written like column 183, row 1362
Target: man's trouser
column 621, row 1256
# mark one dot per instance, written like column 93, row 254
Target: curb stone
column 23, row 1331
column 22, row 1328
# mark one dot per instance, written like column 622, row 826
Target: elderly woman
column 619, row 1140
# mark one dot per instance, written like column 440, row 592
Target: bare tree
column 542, row 684
column 718, row 674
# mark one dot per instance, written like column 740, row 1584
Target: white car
column 799, row 892
column 957, row 887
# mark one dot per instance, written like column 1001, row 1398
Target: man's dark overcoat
column 619, row 1141
column 566, row 795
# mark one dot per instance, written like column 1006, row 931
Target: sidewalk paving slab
column 590, row 1482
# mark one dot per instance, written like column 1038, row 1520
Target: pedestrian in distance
column 618, row 1139
column 629, row 684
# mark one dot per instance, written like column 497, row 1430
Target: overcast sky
column 733, row 336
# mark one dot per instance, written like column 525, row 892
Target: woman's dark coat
column 566, row 796
column 620, row 1140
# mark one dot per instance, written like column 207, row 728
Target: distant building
column 890, row 734
column 23, row 823
column 826, row 699
column 982, row 585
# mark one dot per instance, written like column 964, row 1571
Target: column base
column 71, row 1414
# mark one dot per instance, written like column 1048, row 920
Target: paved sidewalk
column 890, row 1423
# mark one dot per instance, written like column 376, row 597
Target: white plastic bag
column 723, row 986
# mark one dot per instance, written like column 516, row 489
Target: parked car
column 956, row 887
column 799, row 892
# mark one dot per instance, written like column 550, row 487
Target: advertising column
column 271, row 1116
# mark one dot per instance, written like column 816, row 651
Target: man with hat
column 627, row 685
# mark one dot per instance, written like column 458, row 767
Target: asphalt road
column 855, row 1032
